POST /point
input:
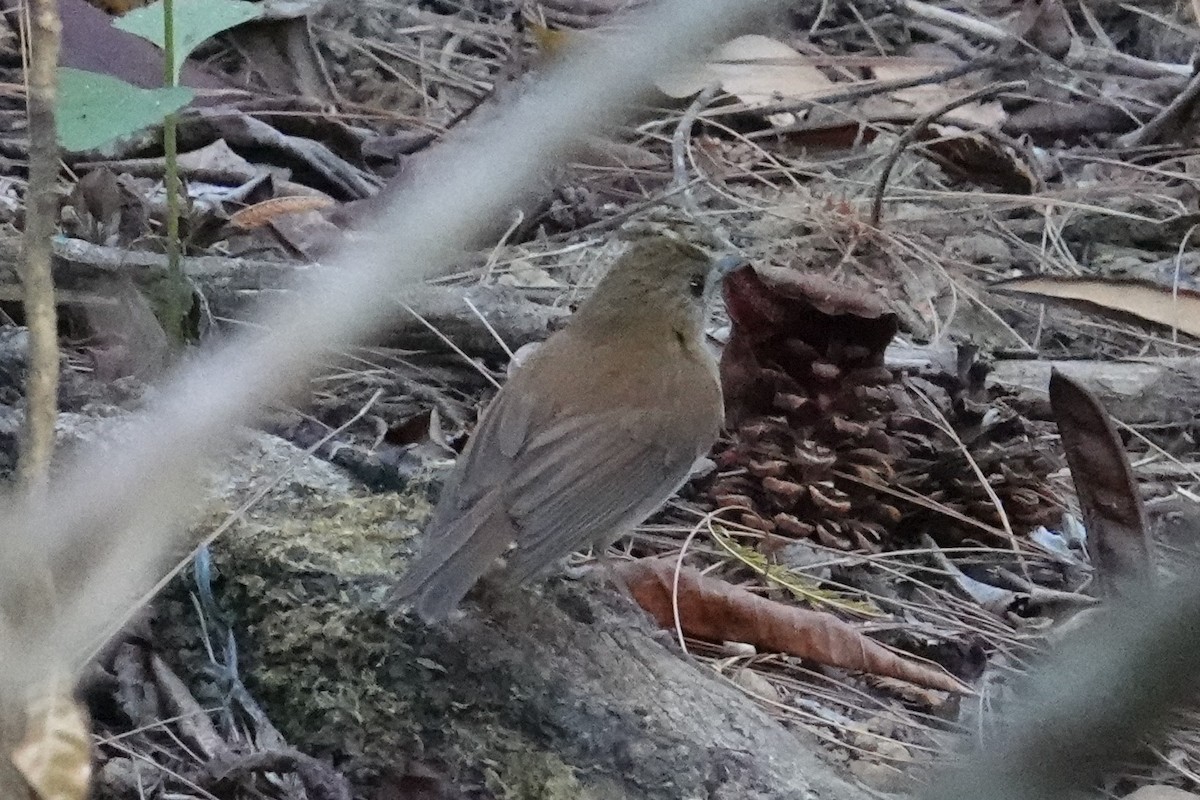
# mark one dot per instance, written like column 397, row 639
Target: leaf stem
column 176, row 285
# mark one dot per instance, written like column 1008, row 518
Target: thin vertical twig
column 679, row 148
column 918, row 127
column 41, row 207
column 44, row 30
column 176, row 309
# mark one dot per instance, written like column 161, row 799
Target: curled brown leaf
column 714, row 610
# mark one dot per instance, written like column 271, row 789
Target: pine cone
column 816, row 421
column 1006, row 442
column 807, row 402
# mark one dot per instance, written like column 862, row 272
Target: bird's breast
column 634, row 370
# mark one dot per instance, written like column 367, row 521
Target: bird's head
column 662, row 276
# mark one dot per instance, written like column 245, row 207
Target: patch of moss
column 314, row 640
column 340, row 677
column 526, row 775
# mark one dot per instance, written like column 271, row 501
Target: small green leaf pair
column 94, row 109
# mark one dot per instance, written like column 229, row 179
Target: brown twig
column 972, row 26
column 41, row 389
column 919, row 127
column 1170, row 122
column 41, row 394
column 1098, row 59
column 679, row 148
column 859, row 91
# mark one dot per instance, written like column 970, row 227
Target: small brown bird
column 587, row 438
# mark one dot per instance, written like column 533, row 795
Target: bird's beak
column 716, row 274
column 727, row 264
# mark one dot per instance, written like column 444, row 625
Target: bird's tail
column 456, row 553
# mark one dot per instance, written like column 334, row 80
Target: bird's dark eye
column 696, row 285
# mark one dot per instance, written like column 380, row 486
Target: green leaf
column 94, row 109
column 195, row 21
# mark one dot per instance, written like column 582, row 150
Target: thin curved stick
column 679, row 148
column 919, row 127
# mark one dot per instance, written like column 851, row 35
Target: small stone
column 802, row 554
column 756, row 685
column 1160, row 792
column 880, row 777
column 125, row 777
column 978, row 249
column 884, row 726
column 738, row 649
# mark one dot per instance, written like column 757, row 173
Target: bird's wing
column 487, row 461
column 448, row 565
column 587, row 477
column 470, row 527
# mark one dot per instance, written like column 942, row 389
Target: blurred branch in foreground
column 1110, row 684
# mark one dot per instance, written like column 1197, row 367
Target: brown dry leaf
column 714, row 610
column 598, row 151
column 91, row 42
column 756, row 70
column 309, row 233
column 913, row 695
column 924, row 99
column 103, row 210
column 1178, row 309
column 267, row 211
column 1118, row 535
column 127, row 338
column 977, row 157
column 55, row 757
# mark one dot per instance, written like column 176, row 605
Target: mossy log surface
column 559, row 691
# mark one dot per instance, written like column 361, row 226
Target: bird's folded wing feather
column 470, row 527
column 488, row 459
column 586, row 477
